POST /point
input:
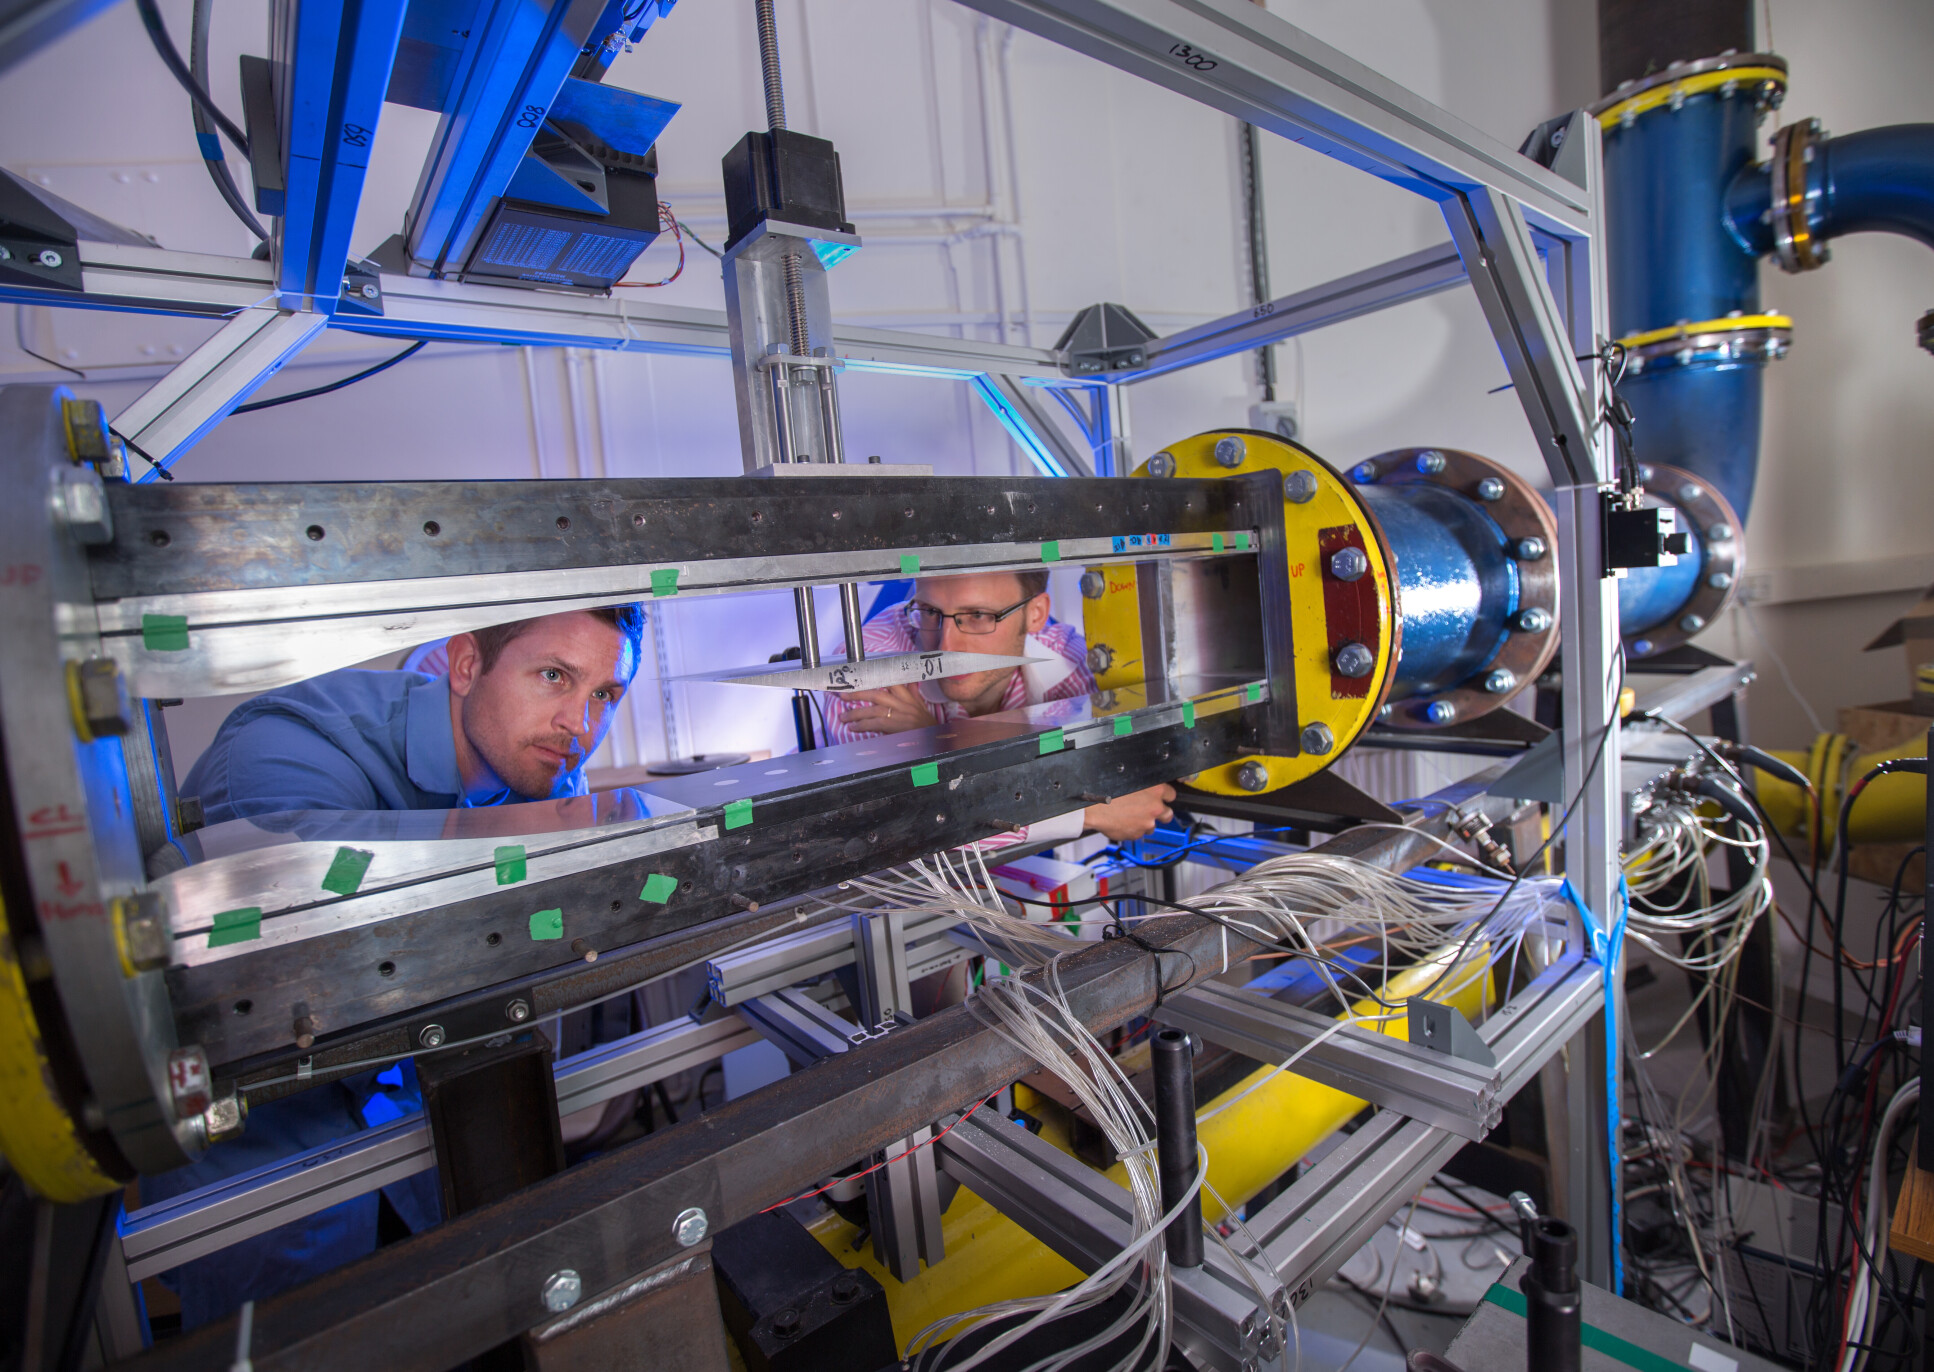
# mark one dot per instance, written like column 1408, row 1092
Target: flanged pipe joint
column 1660, row 608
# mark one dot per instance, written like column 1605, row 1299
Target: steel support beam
column 170, row 417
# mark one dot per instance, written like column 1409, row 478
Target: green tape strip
column 664, row 581
column 1188, row 713
column 1611, row 1345
column 926, row 774
column 1124, row 726
column 510, row 864
column 1053, row 741
column 1252, row 692
column 909, row 564
column 658, row 888
column 346, row 872
column 164, row 633
column 1242, row 543
column 547, row 925
column 1215, row 543
column 236, row 926
column 738, row 813
column 1051, row 550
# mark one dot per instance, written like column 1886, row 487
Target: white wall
column 1001, row 183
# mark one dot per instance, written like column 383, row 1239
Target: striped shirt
column 889, row 634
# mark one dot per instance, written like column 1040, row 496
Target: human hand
column 889, row 710
column 1131, row 816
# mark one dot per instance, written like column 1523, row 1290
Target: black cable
column 313, row 391
column 1181, row 854
column 1444, row 1183
column 164, row 46
column 211, row 147
column 686, row 229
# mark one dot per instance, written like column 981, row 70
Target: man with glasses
column 1004, row 613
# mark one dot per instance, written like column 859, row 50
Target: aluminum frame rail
column 164, row 1235
column 1309, row 1230
column 1451, row 1094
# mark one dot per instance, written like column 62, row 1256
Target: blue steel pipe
column 1875, row 181
column 1456, row 580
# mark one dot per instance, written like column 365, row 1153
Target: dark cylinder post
column 1175, row 1142
column 1553, row 1319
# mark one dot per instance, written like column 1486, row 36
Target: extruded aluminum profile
column 1460, row 1097
column 1681, row 697
column 736, row 978
column 803, row 1029
column 158, row 1237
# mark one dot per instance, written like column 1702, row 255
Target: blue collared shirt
column 348, row 740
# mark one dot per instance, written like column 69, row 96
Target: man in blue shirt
column 520, row 710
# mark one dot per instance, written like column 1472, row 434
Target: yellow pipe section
column 991, row 1258
column 1893, row 808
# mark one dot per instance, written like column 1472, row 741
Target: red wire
column 666, row 220
column 855, row 1176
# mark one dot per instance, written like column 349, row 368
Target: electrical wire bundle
column 1306, row 903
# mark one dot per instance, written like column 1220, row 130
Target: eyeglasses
column 928, row 620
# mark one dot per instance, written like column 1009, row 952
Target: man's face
column 545, row 704
column 990, row 592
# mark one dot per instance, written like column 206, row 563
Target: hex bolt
column 145, row 941
column 562, row 1290
column 1353, row 660
column 1230, row 451
column 1692, row 624
column 1498, row 681
column 1364, row 473
column 430, row 1036
column 1534, row 619
column 1317, row 739
column 1430, row 463
column 1719, row 532
column 1688, row 493
column 1162, row 464
column 1641, row 647
column 1646, row 474
column 1440, row 712
column 1299, row 488
column 1385, row 710
column 99, row 696
column 1347, row 564
column 1528, row 549
column 1252, row 776
column 1491, row 489
column 517, row 1011
column 49, row 258
column 785, row 1324
column 369, row 291
column 1720, row 581
column 690, row 1227
column 1100, row 658
column 1093, row 583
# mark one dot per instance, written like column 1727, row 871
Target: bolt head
column 1641, row 647
column 1534, row 620
column 1299, row 488
column 1719, row 532
column 690, row 1227
column 224, row 1118
column 1230, row 451
column 562, row 1290
column 1688, row 493
column 1692, row 624
column 188, row 1082
column 1720, row 581
column 1252, row 776
column 1347, row 564
column 1093, row 583
column 102, row 696
column 1646, row 474
column 1440, row 712
column 1100, row 658
column 1430, row 463
column 369, row 290
column 1528, row 549
column 1353, row 660
column 1385, row 710
column 1491, row 488
column 146, row 941
column 1317, row 739
column 1162, row 464
column 517, row 1011
column 49, row 258
column 431, row 1036
column 1498, row 681
column 1364, row 473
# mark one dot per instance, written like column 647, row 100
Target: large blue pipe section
column 1690, row 211
column 1457, row 581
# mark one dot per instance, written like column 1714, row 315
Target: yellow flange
column 37, row 1135
column 1364, row 610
